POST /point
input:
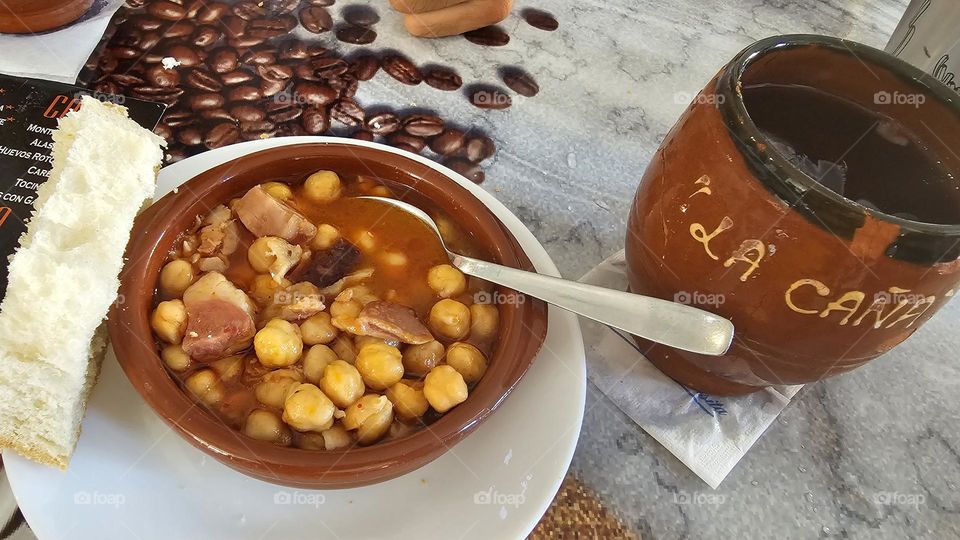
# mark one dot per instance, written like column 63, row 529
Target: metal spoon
column 677, row 325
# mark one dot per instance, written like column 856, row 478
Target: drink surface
column 867, row 157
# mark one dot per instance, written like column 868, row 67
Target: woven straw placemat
column 576, row 512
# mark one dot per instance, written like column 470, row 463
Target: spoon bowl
column 676, row 325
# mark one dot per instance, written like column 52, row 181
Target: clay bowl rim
column 156, row 229
column 767, row 156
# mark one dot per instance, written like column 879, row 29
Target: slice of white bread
column 63, row 278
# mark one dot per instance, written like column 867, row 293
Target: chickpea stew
column 304, row 316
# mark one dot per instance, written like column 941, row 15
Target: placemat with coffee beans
column 236, row 71
column 242, row 70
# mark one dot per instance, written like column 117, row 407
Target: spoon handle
column 677, row 325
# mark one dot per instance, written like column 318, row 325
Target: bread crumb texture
column 64, row 277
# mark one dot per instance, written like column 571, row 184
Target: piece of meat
column 295, row 303
column 353, row 278
column 216, row 328
column 388, row 320
column 331, row 265
column 212, row 264
column 264, row 215
column 218, row 238
column 220, row 318
column 219, row 214
column 215, row 286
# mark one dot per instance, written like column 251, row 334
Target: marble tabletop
column 871, row 454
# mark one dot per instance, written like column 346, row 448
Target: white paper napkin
column 709, row 434
column 58, row 55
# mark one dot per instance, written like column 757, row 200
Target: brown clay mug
column 31, row 16
column 734, row 217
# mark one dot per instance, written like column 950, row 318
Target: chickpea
column 264, row 425
column 307, row 408
column 468, row 360
column 322, row 187
column 420, row 359
column 446, row 281
column 342, row 383
column 260, row 255
column 206, row 386
column 408, row 400
column 348, row 309
column 316, row 360
column 336, row 437
column 359, row 293
column 381, row 191
column 278, row 346
column 228, row 368
column 484, row 321
column 363, row 341
column 175, row 277
column 444, row 388
column 399, row 429
column 283, row 325
column 344, row 348
column 364, row 241
column 380, row 365
column 317, row 329
column 366, row 183
column 394, row 259
column 278, row 190
column 169, row 321
column 450, row 319
column 343, row 315
column 265, row 288
column 175, row 357
column 326, row 236
column 273, row 255
column 311, row 441
column 448, row 231
column 370, row 416
column 275, row 386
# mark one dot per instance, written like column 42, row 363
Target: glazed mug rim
column 768, row 157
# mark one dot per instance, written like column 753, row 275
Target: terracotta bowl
column 523, row 326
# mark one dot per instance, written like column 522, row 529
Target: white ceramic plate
column 133, row 478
